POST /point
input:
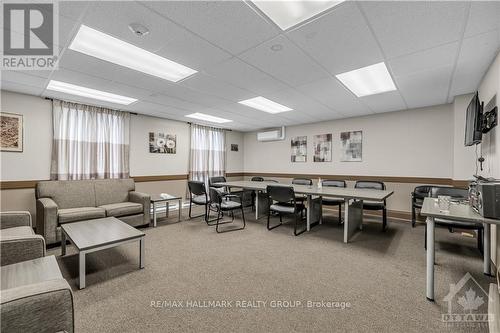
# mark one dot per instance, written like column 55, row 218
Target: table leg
column 180, row 210
column 346, row 220
column 81, row 271
column 167, row 207
column 487, row 249
column 154, row 214
column 256, row 205
column 141, row 252
column 309, row 212
column 63, row 243
column 430, row 259
column 320, row 210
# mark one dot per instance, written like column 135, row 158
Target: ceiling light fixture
column 263, row 104
column 209, row 118
column 73, row 89
column 369, row 80
column 287, row 14
column 100, row 45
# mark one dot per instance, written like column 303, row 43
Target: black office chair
column 282, row 201
column 223, row 203
column 417, row 200
column 301, row 181
column 197, row 195
column 456, row 194
column 374, row 205
column 333, row 201
column 218, row 179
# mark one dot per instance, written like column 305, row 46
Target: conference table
column 457, row 212
column 353, row 198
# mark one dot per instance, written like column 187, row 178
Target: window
column 207, row 153
column 89, row 142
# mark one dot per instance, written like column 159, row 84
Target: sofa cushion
column 110, row 191
column 122, row 208
column 17, row 232
column 68, row 193
column 79, row 214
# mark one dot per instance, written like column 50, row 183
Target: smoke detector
column 138, row 29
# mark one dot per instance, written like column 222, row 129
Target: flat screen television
column 473, row 133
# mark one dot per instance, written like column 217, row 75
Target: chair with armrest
column 198, row 196
column 301, row 181
column 223, row 203
column 456, row 194
column 333, row 201
column 374, row 205
column 417, row 199
column 18, row 242
column 282, row 201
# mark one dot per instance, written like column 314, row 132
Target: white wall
column 413, row 143
column 34, row 161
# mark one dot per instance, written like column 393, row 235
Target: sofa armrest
column 46, row 219
column 15, row 249
column 15, row 219
column 145, row 200
column 41, row 307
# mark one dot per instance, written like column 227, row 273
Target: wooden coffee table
column 99, row 234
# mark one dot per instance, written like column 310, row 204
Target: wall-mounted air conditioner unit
column 273, row 134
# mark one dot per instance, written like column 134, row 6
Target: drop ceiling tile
column 113, row 18
column 436, row 57
column 333, row 94
column 74, row 9
column 290, row 64
column 171, row 101
column 21, row 88
column 82, row 79
column 144, row 107
column 232, row 25
column 404, row 27
column 243, row 75
column 340, row 40
column 476, row 55
column 385, row 102
column 425, row 88
column 484, row 16
column 212, row 86
column 23, row 78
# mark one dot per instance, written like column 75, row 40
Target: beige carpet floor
column 381, row 275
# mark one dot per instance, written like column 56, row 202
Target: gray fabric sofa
column 67, row 201
column 34, row 297
column 18, row 242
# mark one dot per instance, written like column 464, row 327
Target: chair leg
column 384, row 219
column 268, row 221
column 413, row 217
column 298, row 217
column 190, row 204
column 425, row 237
column 340, row 214
column 480, row 243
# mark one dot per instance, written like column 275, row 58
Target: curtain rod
column 99, row 106
column 219, row 128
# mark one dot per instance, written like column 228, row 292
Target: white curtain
column 208, row 153
column 89, row 142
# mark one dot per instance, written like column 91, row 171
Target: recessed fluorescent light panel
column 263, row 104
column 100, row 45
column 209, row 118
column 287, row 14
column 370, row 80
column 73, row 89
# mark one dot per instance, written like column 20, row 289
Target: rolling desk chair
column 372, row 205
